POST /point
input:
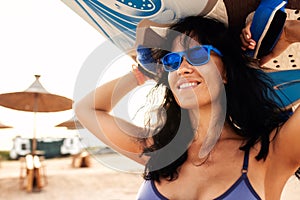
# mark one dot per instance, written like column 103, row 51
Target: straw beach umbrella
column 35, row 99
column 71, row 124
column 4, row 126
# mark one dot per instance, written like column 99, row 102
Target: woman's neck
column 195, row 148
column 208, row 123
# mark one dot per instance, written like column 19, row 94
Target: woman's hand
column 289, row 35
column 247, row 42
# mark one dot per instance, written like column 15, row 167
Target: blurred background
column 48, row 39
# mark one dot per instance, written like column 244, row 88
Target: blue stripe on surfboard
column 96, row 6
column 105, row 32
column 287, row 85
column 116, row 22
column 93, row 19
column 113, row 24
column 110, row 21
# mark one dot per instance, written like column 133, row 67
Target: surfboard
column 120, row 17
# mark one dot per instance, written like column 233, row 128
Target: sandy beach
column 66, row 182
column 95, row 182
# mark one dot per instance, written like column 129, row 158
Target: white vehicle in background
column 21, row 147
column 71, row 146
column 51, row 147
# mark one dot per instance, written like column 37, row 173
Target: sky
column 45, row 38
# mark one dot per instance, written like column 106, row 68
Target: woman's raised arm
column 286, row 144
column 93, row 111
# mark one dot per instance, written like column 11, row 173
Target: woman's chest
column 212, row 180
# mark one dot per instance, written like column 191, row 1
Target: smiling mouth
column 188, row 85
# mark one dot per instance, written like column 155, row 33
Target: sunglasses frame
column 207, row 48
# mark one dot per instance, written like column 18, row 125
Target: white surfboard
column 121, row 17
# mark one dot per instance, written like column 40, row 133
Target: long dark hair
column 251, row 109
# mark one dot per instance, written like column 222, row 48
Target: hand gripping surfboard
column 267, row 25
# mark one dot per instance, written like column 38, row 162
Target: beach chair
column 81, row 159
column 33, row 173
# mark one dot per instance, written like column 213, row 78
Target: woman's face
column 196, row 86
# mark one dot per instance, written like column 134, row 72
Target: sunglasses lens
column 195, row 56
column 171, row 61
column 198, row 56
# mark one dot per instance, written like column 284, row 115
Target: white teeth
column 186, row 85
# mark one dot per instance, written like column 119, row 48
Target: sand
column 95, row 182
column 66, row 182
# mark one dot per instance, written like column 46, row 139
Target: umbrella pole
column 34, row 134
column 35, row 108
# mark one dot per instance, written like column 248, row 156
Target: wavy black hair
column 251, row 110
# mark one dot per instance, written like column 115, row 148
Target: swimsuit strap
column 246, row 161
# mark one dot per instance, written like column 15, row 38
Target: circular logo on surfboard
column 141, row 8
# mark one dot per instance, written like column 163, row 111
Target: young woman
column 202, row 144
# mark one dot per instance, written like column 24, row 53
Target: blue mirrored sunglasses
column 196, row 56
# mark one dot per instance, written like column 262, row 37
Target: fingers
column 246, row 41
column 246, row 31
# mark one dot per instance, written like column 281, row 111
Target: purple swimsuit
column 241, row 189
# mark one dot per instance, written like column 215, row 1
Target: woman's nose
column 185, row 67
